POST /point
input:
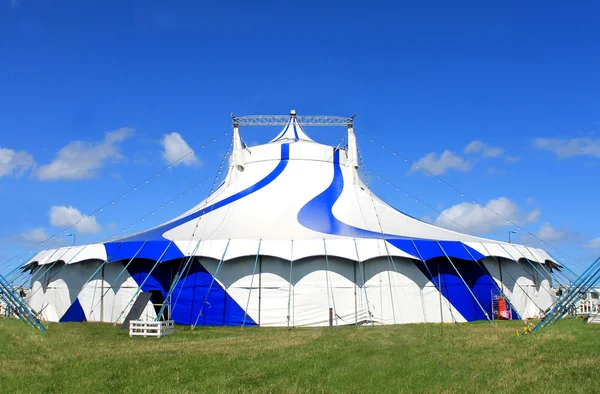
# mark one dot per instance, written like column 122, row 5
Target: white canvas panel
column 490, row 249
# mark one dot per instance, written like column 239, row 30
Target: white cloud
column 548, row 233
column 485, row 150
column 594, row 243
column 61, row 216
column 476, row 218
column 533, row 216
column 479, row 147
column 175, row 148
column 437, row 165
column 35, row 235
column 565, row 148
column 14, row 162
column 80, row 160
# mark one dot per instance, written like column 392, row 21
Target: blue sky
column 501, row 100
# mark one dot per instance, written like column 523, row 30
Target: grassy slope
column 475, row 357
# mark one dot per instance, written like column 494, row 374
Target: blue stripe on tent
column 189, row 295
column 317, row 215
column 152, row 250
column 160, row 279
column 287, row 126
column 478, row 278
column 156, row 233
column 75, row 313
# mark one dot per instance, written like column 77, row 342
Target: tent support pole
column 211, row 283
column 355, row 297
column 439, row 276
column 517, row 261
column 391, row 265
column 549, row 277
column 101, row 292
column 364, row 283
column 259, row 287
column 465, row 283
column 118, row 276
column 329, row 284
column 175, row 282
column 251, row 283
column 290, row 286
column 139, row 289
column 514, row 280
column 484, row 270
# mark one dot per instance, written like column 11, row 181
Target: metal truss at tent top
column 282, row 120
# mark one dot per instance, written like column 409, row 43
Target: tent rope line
column 441, row 180
column 465, row 283
column 118, row 276
column 439, row 284
column 214, row 278
column 118, row 198
column 483, row 267
column 252, row 282
column 330, row 284
column 290, row 284
column 364, row 286
column 506, row 250
column 434, row 210
column 148, row 276
column 175, row 282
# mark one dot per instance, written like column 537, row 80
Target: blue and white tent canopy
column 298, row 199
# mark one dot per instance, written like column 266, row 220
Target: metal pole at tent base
column 484, row 270
column 118, row 276
column 392, row 265
column 439, row 284
column 573, row 296
column 20, row 308
column 144, row 281
column 580, row 288
column 176, row 281
column 466, row 285
column 329, row 284
column 511, row 277
column 362, row 272
column 290, row 286
column 517, row 261
column 211, row 284
column 252, row 282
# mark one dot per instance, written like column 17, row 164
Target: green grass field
column 474, row 357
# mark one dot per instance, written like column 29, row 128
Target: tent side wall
column 270, row 291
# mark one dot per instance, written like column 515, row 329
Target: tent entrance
column 157, row 299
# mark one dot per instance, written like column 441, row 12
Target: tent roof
column 294, row 190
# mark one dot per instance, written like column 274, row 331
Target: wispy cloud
column 12, row 162
column 566, row 148
column 175, row 148
column 594, row 243
column 481, row 148
column 438, row 165
column 35, row 235
column 81, row 160
column 552, row 235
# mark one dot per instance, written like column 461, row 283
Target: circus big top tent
column 292, row 232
